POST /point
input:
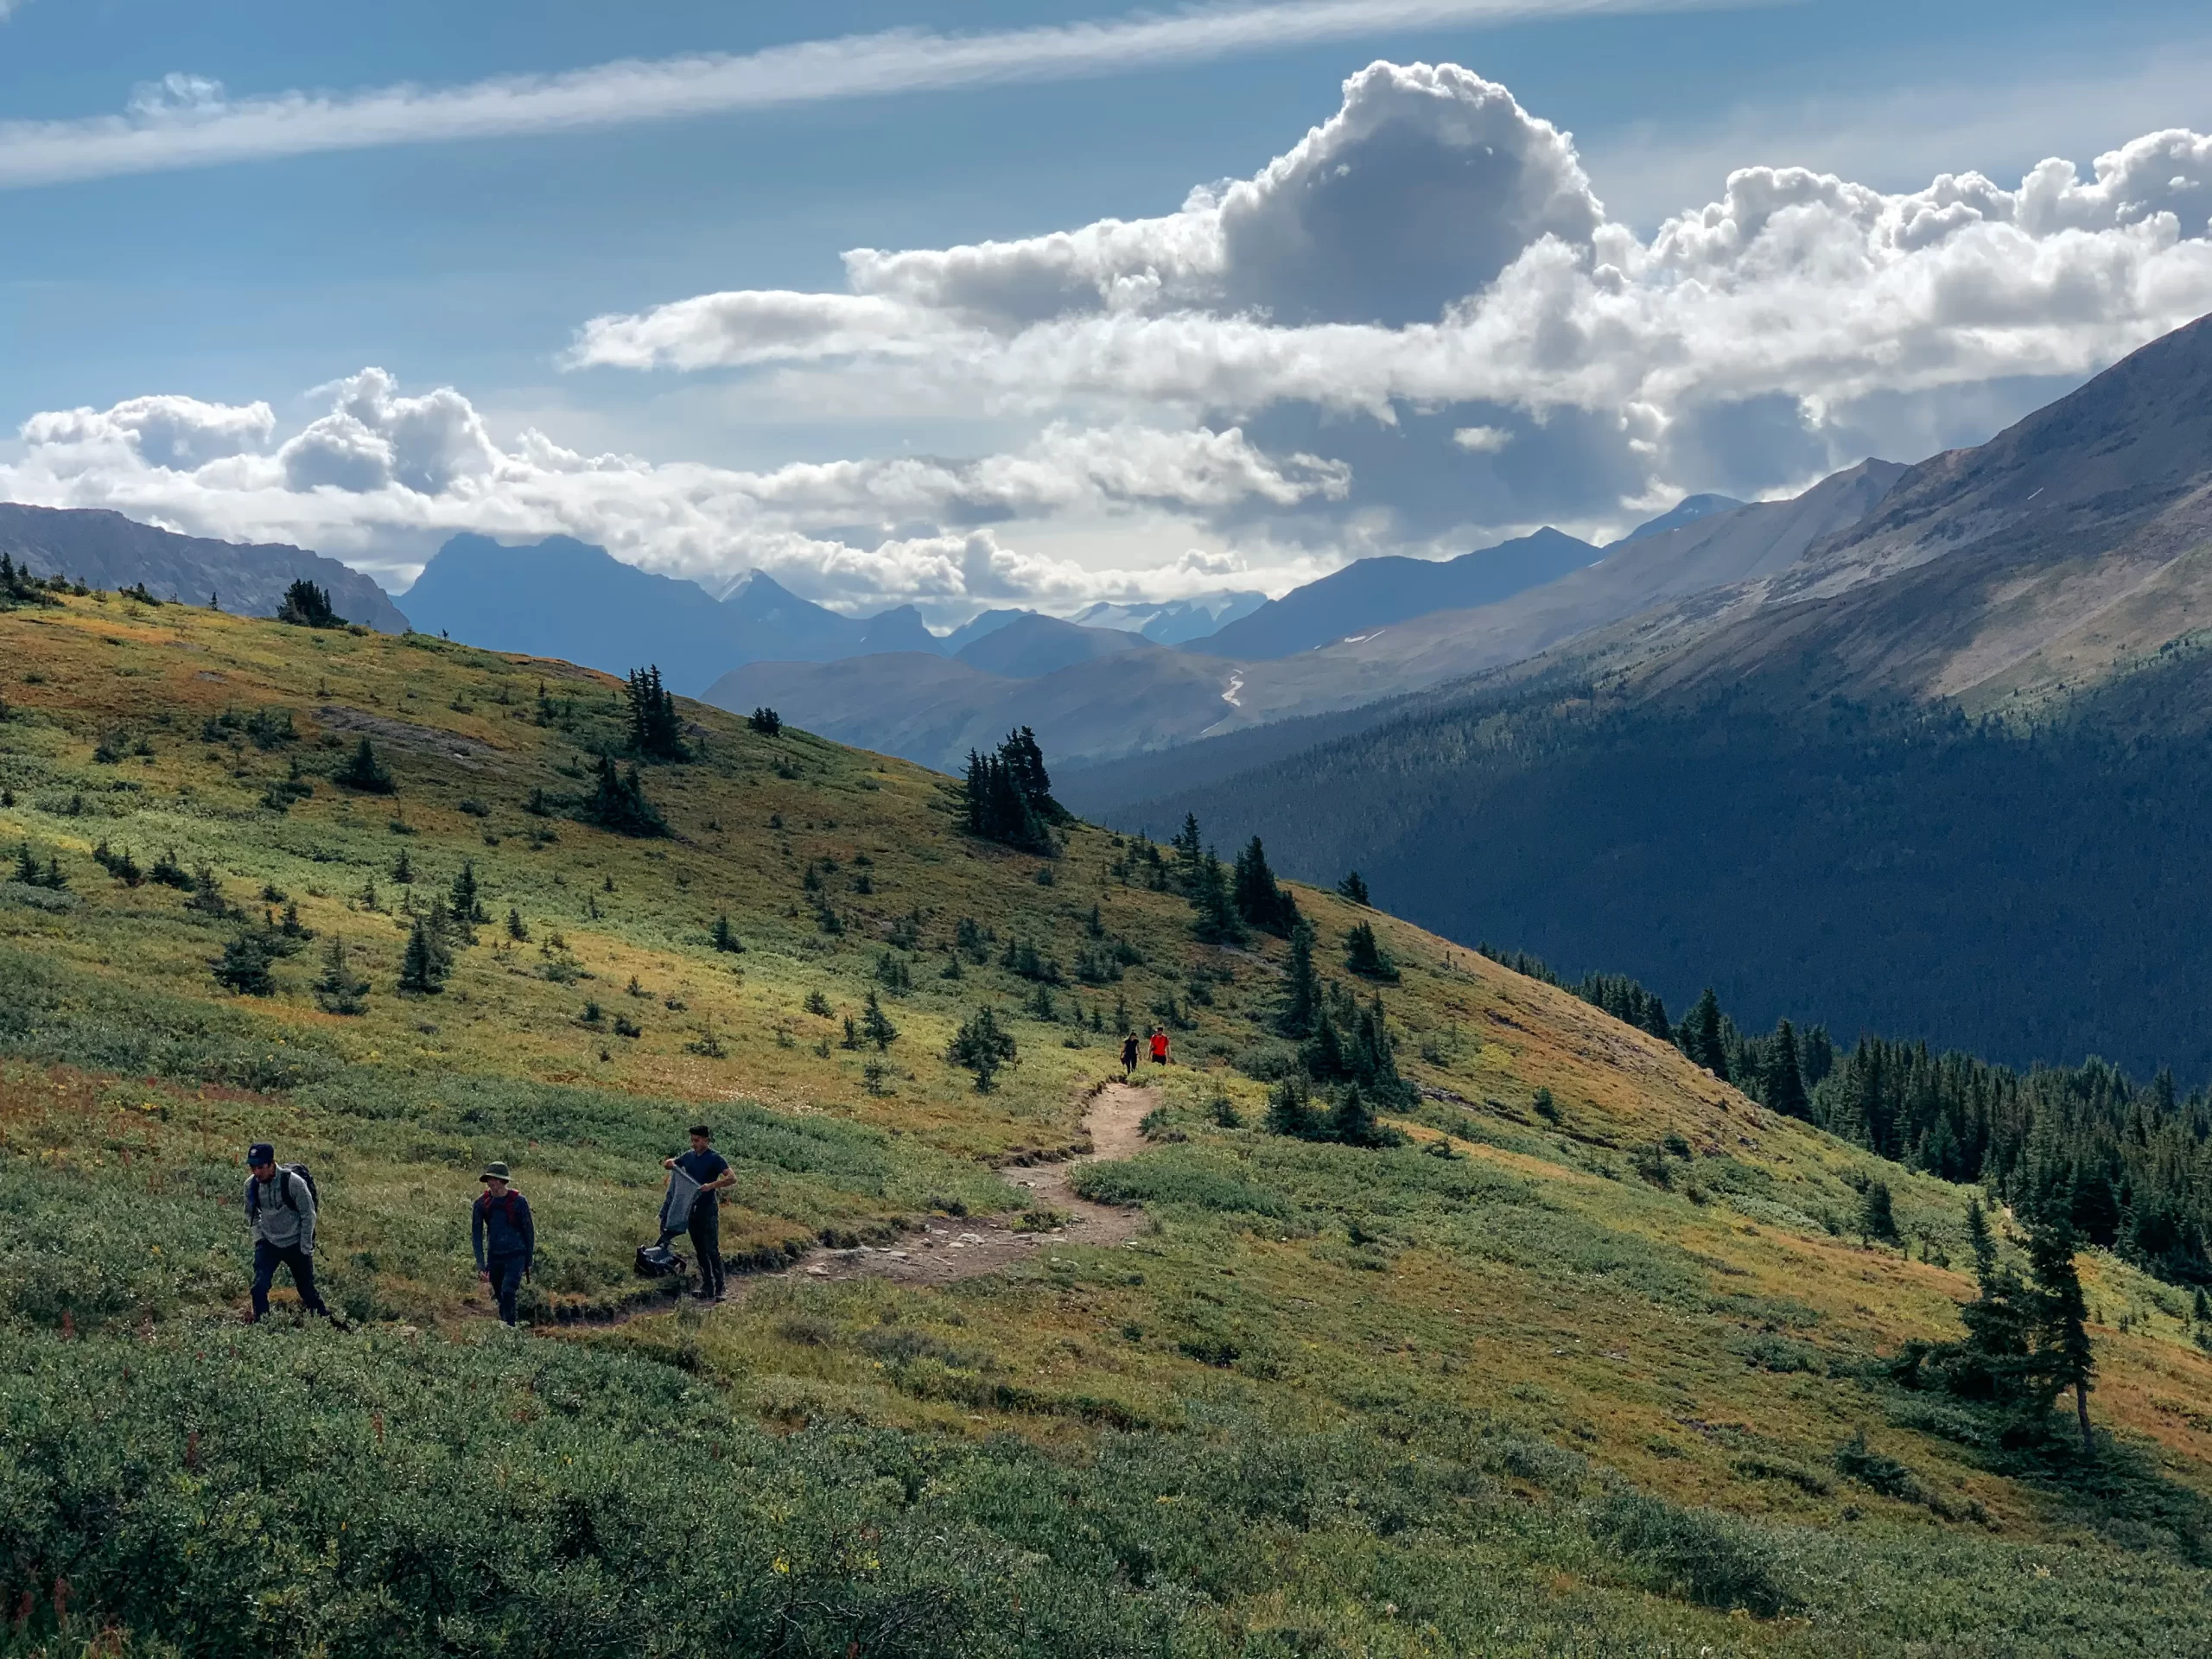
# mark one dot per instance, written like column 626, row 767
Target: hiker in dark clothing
column 1129, row 1058
column 280, row 1212
column 712, row 1171
column 506, row 1237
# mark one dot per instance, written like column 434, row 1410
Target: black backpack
column 284, row 1189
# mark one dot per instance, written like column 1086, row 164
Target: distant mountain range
column 1172, row 622
column 560, row 597
column 565, row 598
column 1372, row 593
column 1138, row 701
column 106, row 550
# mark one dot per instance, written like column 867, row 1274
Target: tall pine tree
column 2062, row 1327
column 1785, row 1081
column 1301, row 1001
column 1260, row 900
column 1700, row 1036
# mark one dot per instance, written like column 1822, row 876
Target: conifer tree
column 1366, row 957
column 1290, row 1109
column 1784, row 1081
column 1323, row 1054
column 1877, row 1217
column 1700, row 1036
column 2061, row 1327
column 723, row 937
column 1007, row 796
column 340, row 990
column 982, row 1046
column 766, row 722
column 876, row 1025
column 618, row 802
column 1352, row 1121
column 1301, row 986
column 1188, row 846
column 517, row 929
column 1025, row 764
column 656, row 729
column 306, row 605
column 1982, row 1242
column 1260, row 899
column 424, row 964
column 1215, row 921
column 243, row 966
column 364, row 772
column 1353, row 886
column 466, row 898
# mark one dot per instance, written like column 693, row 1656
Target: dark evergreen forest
column 2031, row 894
column 2128, row 1165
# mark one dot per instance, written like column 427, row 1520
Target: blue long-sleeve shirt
column 502, row 1226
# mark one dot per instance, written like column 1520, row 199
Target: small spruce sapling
column 1366, row 957
column 340, row 990
column 984, row 1047
column 876, row 1025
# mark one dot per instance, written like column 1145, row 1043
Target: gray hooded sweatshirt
column 282, row 1225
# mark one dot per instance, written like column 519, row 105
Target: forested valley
column 2031, row 889
column 2128, row 1163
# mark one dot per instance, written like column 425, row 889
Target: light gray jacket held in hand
column 282, row 1224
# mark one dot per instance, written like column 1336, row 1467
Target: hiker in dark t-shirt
column 712, row 1171
column 504, row 1236
column 1129, row 1058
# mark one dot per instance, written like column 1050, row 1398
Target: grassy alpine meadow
column 1592, row 1354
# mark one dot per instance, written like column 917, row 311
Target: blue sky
column 471, row 262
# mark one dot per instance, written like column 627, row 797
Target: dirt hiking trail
column 943, row 1251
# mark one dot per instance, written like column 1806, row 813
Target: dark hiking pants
column 266, row 1258
column 507, row 1281
column 707, row 1244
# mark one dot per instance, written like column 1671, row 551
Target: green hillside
column 1592, row 1359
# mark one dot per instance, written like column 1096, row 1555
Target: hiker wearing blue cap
column 280, row 1210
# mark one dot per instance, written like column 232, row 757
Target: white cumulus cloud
column 1433, row 261
column 382, row 476
column 1418, row 329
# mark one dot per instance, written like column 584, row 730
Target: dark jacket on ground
column 502, row 1226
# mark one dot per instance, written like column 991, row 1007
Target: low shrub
column 1694, row 1555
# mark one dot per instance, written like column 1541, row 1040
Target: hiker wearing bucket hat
column 504, row 1236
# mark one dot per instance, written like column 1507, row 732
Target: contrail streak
column 188, row 122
